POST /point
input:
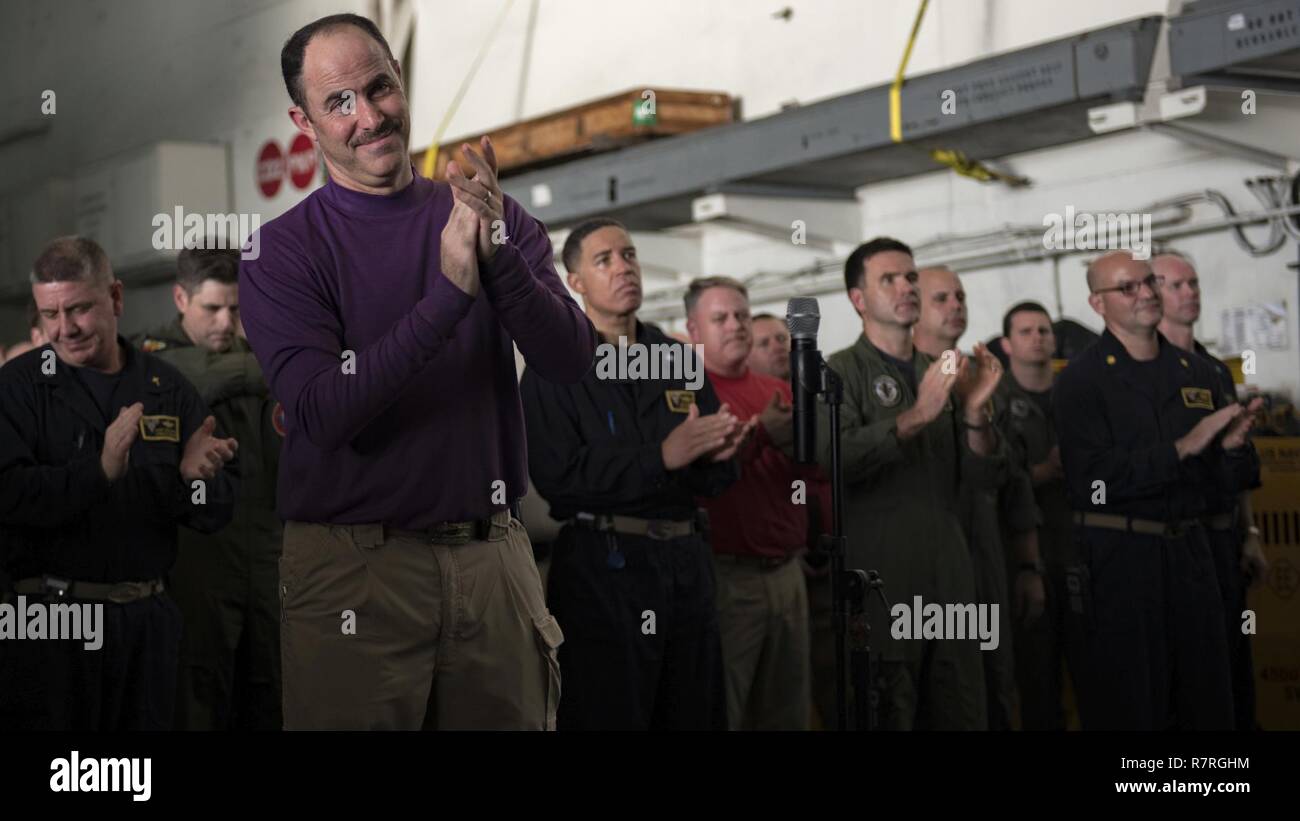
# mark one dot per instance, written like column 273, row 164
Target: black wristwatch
column 1031, row 567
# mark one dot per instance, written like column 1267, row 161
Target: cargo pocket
column 299, row 543
column 549, row 639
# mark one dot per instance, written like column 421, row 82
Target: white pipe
column 827, row 276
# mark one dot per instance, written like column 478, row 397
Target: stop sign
column 302, row 161
column 270, row 168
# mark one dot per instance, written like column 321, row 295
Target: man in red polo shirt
column 758, row 525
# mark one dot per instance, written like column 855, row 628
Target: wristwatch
column 1031, row 567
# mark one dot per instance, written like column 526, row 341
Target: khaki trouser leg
column 765, row 646
column 404, row 634
column 498, row 666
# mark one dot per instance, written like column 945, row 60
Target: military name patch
column 886, row 390
column 680, row 401
column 1198, row 398
column 160, row 428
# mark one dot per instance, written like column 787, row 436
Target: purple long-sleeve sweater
column 420, row 425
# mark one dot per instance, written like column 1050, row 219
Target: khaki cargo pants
column 383, row 631
column 763, row 614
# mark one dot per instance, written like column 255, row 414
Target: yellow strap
column 953, row 158
column 431, row 156
column 895, row 90
column 959, row 162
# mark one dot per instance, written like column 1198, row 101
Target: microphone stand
column 849, row 587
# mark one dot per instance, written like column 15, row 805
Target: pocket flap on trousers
column 549, row 629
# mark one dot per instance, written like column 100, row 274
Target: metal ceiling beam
column 1031, row 98
column 815, row 223
column 1237, row 43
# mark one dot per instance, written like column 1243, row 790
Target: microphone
column 802, row 317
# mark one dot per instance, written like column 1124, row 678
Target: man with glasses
column 1148, row 442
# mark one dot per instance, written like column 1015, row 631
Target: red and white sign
column 273, row 166
column 302, row 161
column 270, row 168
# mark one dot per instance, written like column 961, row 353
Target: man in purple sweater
column 383, row 309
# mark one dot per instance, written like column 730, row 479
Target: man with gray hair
column 759, row 525
column 1234, row 538
column 104, row 450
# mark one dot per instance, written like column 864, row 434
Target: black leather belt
column 453, row 533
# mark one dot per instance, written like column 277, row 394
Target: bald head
column 937, row 275
column 1136, row 312
column 1110, row 269
column 1165, row 265
column 943, row 309
column 1180, row 289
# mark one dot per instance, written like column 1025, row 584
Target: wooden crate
column 601, row 125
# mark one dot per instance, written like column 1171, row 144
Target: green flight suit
column 227, row 583
column 1040, row 647
column 991, row 515
column 902, row 519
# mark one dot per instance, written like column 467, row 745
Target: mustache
column 385, row 128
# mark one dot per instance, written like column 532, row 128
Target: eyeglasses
column 1130, row 289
